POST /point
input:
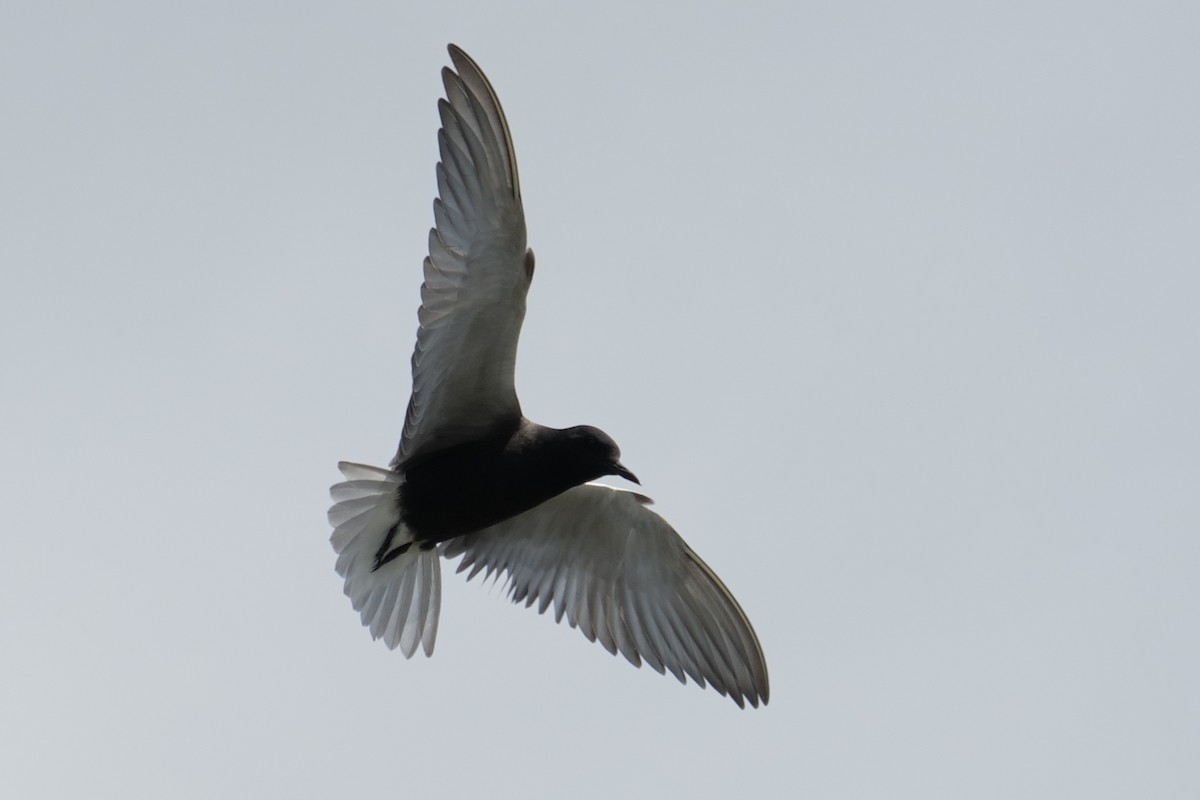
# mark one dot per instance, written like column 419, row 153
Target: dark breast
column 462, row 489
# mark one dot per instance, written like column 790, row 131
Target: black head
column 595, row 450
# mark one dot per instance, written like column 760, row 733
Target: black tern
column 474, row 478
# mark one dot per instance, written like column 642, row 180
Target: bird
column 472, row 477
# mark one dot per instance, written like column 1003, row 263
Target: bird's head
column 596, row 449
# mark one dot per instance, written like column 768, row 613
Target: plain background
column 893, row 308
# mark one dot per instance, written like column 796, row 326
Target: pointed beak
column 619, row 469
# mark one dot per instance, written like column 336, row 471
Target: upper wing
column 622, row 575
column 476, row 275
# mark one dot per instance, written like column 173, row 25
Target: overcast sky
column 892, row 307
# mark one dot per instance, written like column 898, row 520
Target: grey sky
column 892, row 308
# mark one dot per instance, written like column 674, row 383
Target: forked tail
column 396, row 587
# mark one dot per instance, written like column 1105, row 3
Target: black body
column 465, row 488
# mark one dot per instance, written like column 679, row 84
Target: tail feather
column 400, row 600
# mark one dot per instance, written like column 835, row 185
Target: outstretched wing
column 621, row 574
column 476, row 275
